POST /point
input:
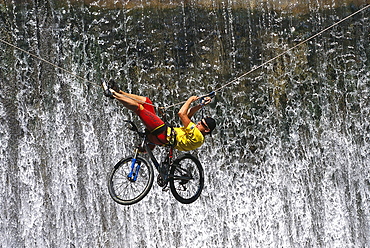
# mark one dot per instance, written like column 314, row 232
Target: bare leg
column 130, row 101
column 140, row 99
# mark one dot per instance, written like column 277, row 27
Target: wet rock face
column 287, row 164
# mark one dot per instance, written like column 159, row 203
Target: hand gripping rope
column 202, row 100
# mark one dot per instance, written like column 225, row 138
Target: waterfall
column 287, row 166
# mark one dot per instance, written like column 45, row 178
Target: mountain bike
column 131, row 179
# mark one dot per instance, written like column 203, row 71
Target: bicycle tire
column 125, row 191
column 186, row 179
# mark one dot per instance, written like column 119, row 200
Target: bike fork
column 135, row 167
column 134, row 172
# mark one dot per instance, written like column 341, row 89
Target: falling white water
column 287, row 167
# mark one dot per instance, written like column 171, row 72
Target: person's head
column 206, row 125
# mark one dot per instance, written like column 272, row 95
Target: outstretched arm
column 185, row 112
column 194, row 109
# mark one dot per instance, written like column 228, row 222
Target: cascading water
column 287, row 167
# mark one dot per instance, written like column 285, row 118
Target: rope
column 218, row 89
column 292, row 48
column 48, row 62
column 61, row 68
column 278, row 56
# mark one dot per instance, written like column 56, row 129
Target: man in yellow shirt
column 188, row 137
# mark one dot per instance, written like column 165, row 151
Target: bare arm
column 184, row 111
column 194, row 109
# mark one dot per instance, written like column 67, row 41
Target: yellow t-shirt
column 188, row 138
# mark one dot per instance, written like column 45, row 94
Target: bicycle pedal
column 165, row 188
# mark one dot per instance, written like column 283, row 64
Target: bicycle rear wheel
column 186, row 179
column 124, row 189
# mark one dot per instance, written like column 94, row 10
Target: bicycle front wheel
column 129, row 183
column 186, row 179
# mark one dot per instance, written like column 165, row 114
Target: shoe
column 107, row 91
column 113, row 85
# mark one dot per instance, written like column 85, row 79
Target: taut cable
column 218, row 89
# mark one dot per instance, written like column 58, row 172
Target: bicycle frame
column 133, row 174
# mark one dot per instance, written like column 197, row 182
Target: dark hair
column 211, row 123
